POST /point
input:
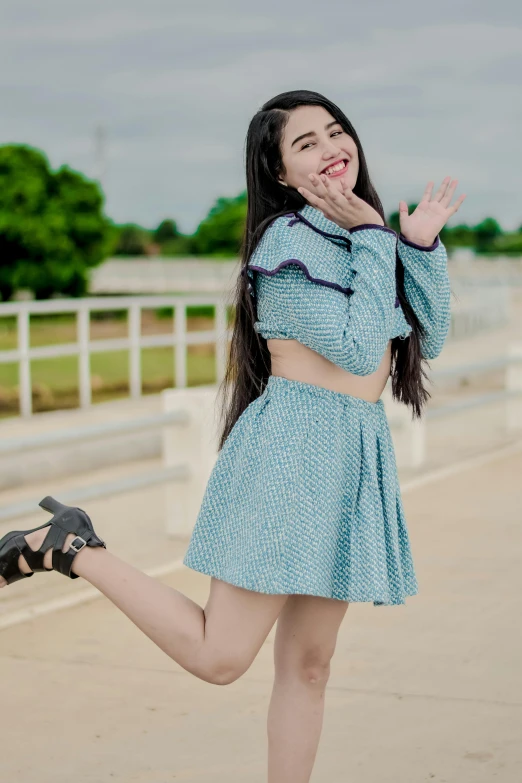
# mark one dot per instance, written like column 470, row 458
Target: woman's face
column 325, row 143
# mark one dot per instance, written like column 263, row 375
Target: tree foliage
column 166, row 231
column 485, row 237
column 220, row 233
column 52, row 225
column 53, row 229
column 132, row 240
column 486, row 233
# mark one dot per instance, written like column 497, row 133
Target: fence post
column 221, row 340
column 411, row 444
column 193, row 444
column 24, row 364
column 180, row 327
column 513, row 381
column 416, row 433
column 135, row 350
column 84, row 357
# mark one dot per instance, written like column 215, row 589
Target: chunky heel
column 65, row 520
column 53, row 506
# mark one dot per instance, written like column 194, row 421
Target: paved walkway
column 429, row 691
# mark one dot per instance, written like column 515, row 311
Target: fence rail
column 188, row 426
column 479, row 312
column 179, row 340
column 92, row 432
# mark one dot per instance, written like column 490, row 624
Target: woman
column 302, row 513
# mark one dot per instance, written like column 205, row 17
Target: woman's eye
column 332, row 134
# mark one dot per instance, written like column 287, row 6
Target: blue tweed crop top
column 334, row 289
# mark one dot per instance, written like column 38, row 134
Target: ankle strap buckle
column 78, row 548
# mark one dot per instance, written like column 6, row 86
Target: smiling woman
column 302, row 513
column 304, row 498
column 328, row 150
column 318, row 152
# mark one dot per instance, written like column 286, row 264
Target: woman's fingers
column 347, row 191
column 312, row 198
column 333, row 193
column 427, row 191
column 442, row 190
column 324, row 187
column 444, row 194
column 457, row 204
column 324, row 195
column 320, row 192
column 449, row 193
column 318, row 184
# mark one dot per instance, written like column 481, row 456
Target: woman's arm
column 427, row 288
column 426, row 279
column 350, row 330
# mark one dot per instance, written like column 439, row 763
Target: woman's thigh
column 237, row 622
column 306, row 634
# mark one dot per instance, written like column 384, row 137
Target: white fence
column 478, row 309
column 189, row 427
column 471, row 313
column 197, row 440
column 179, row 339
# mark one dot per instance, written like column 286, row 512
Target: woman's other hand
column 341, row 206
column 425, row 222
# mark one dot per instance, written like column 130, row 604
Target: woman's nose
column 330, row 153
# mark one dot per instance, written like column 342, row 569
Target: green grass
column 55, row 381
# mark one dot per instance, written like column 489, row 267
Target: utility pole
column 100, row 158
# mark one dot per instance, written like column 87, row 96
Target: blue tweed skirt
column 304, row 499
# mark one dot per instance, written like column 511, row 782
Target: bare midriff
column 296, row 362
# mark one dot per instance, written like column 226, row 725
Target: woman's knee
column 310, row 665
column 314, row 665
column 219, row 670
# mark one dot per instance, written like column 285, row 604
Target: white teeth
column 338, row 167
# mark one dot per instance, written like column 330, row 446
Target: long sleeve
column 353, row 330
column 427, row 288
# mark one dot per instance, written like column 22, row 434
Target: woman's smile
column 338, row 169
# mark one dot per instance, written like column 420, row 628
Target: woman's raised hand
column 344, row 208
column 431, row 214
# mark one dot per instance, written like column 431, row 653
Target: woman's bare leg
column 305, row 640
column 217, row 643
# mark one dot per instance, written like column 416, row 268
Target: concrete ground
column 428, row 691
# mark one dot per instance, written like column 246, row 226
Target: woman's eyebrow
column 312, row 133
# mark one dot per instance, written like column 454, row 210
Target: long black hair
column 248, row 362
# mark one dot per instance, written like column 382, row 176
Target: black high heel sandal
column 66, row 519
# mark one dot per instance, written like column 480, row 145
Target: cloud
column 175, row 86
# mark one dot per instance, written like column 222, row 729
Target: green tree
column 181, row 246
column 458, row 236
column 393, row 219
column 52, row 225
column 220, row 233
column 166, row 231
column 510, row 244
column 132, row 240
column 486, row 233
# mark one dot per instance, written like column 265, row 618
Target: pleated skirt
column 304, row 498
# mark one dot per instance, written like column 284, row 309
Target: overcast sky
column 433, row 89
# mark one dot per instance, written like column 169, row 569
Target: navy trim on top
column 361, row 227
column 434, row 246
column 371, row 225
column 319, row 231
column 304, row 269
